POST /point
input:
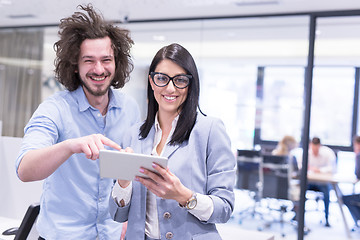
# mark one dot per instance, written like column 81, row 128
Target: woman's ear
column 151, row 83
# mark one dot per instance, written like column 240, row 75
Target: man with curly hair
column 63, row 137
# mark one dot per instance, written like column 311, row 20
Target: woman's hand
column 165, row 184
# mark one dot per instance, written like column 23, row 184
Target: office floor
column 314, row 218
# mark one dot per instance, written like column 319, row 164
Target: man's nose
column 99, row 68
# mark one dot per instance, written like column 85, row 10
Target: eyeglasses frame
column 152, row 75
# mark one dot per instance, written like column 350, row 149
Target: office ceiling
column 16, row 13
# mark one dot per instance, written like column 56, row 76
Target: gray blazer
column 204, row 164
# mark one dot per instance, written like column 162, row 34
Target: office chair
column 22, row 232
column 277, row 172
column 249, row 178
column 316, row 196
column 318, row 193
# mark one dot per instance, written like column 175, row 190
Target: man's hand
column 38, row 164
column 91, row 145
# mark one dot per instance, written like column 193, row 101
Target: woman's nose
column 171, row 86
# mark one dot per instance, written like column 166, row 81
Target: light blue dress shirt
column 74, row 203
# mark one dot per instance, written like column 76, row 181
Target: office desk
column 334, row 180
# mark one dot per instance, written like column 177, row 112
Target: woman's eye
column 162, row 78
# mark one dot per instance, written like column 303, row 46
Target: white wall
column 15, row 196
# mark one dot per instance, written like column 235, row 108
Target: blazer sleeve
column 221, row 172
column 119, row 214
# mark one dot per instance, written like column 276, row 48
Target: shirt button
column 99, row 115
column 167, row 215
column 169, row 235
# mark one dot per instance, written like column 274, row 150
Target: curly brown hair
column 79, row 27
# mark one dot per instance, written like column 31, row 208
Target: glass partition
column 332, row 104
column 337, row 54
column 283, row 103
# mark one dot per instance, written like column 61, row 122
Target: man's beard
column 97, row 92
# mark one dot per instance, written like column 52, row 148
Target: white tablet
column 125, row 166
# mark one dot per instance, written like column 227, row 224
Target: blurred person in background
column 353, row 201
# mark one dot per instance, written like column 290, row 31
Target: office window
column 229, row 93
column 282, row 103
column 332, row 104
column 236, row 48
column 337, row 51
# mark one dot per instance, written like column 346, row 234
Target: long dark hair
column 187, row 118
column 80, row 26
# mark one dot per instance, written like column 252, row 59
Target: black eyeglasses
column 161, row 79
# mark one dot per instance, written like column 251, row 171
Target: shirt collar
column 79, row 95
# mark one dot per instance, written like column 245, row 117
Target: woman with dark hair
column 196, row 190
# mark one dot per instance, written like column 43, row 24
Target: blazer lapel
column 148, row 143
column 170, row 149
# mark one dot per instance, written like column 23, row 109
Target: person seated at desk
column 353, row 201
column 285, row 147
column 321, row 159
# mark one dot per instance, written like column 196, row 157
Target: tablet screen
column 125, row 166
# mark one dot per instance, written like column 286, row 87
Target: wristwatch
column 191, row 203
